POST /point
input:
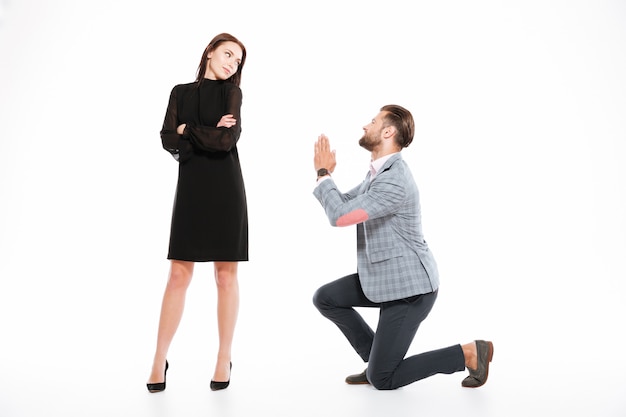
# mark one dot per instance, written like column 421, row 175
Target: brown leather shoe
column 357, row 379
column 477, row 377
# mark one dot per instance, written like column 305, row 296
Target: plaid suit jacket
column 393, row 259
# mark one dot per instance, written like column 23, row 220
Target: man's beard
column 368, row 142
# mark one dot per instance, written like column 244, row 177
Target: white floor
column 89, row 355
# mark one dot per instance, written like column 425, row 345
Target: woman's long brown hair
column 215, row 42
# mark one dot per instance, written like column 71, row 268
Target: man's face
column 372, row 137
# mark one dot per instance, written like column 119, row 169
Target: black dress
column 210, row 217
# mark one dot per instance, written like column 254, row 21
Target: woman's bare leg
column 227, row 310
column 171, row 312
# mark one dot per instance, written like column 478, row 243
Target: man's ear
column 389, row 132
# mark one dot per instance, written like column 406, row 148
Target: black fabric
column 209, row 217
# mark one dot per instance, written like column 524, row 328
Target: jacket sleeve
column 383, row 198
column 214, row 139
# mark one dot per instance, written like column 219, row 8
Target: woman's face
column 223, row 61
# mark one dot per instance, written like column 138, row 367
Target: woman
column 209, row 219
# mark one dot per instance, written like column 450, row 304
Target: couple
column 396, row 271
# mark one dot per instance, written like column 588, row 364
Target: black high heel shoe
column 159, row 386
column 218, row 385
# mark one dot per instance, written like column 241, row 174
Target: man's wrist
column 322, row 172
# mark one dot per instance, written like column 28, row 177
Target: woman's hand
column 227, row 120
column 181, row 128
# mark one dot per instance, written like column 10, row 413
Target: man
column 396, row 272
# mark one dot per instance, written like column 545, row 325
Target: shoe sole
column 357, row 383
column 489, row 359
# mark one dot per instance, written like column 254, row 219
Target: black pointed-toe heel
column 159, row 386
column 218, row 385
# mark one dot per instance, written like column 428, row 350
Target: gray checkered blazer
column 393, row 259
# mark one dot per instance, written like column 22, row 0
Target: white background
column 519, row 153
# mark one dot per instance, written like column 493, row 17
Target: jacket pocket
column 385, row 254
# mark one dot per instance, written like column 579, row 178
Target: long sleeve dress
column 209, row 217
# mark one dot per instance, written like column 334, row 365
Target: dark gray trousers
column 385, row 349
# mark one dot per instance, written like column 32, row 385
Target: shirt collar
column 376, row 165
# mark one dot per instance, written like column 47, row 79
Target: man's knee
column 320, row 299
column 379, row 380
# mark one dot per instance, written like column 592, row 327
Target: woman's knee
column 180, row 274
column 226, row 275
